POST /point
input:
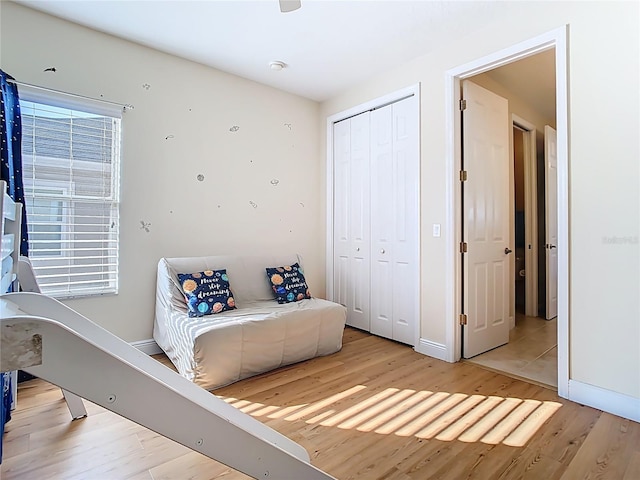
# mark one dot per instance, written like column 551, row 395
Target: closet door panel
column 359, row 183
column 382, row 220
column 341, row 201
column 342, row 155
column 341, row 280
column 376, row 220
column 382, row 298
column 351, row 218
column 359, row 310
column 406, row 173
column 404, row 299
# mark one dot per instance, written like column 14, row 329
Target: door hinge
column 463, row 247
column 463, row 319
column 463, row 104
column 463, row 175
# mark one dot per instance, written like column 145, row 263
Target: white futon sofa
column 258, row 336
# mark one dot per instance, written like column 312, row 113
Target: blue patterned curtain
column 11, row 149
column 11, row 172
column 5, row 404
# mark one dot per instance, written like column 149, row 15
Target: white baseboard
column 605, row 400
column 432, row 349
column 150, row 347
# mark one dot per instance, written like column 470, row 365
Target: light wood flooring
column 375, row 410
column 531, row 354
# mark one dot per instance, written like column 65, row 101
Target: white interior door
column 406, row 178
column 351, row 218
column 551, row 219
column 382, row 221
column 341, row 200
column 485, row 222
column 395, row 160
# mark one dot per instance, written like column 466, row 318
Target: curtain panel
column 11, row 148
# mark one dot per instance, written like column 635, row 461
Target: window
column 50, row 216
column 70, row 168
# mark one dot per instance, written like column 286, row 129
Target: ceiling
column 328, row 46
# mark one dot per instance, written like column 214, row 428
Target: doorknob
column 382, row 250
column 357, row 249
column 507, row 251
column 550, row 246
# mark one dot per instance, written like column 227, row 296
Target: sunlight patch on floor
column 423, row 414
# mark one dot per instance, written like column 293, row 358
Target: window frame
column 67, row 210
column 107, row 265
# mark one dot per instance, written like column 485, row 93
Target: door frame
column 557, row 39
column 548, row 224
column 413, row 90
column 530, row 215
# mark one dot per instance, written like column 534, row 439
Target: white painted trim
column 452, row 226
column 329, row 286
column 418, row 252
column 432, row 349
column 508, row 55
column 530, row 213
column 413, row 90
column 605, row 400
column 512, row 232
column 375, row 103
column 562, row 127
column 150, row 347
column 554, row 39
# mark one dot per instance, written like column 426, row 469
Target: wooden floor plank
column 374, row 410
column 609, row 451
column 193, row 466
column 632, row 471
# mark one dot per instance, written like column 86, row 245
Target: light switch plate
column 436, row 229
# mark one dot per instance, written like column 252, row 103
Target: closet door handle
column 357, row 249
column 382, row 250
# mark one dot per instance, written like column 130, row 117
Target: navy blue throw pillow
column 288, row 283
column 207, row 292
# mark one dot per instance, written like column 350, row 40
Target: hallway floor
column 531, row 354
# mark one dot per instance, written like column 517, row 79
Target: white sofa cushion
column 258, row 336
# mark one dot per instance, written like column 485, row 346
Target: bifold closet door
column 394, row 195
column 351, row 207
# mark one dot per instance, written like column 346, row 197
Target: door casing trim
column 558, row 40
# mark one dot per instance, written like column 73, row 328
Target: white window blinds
column 70, row 163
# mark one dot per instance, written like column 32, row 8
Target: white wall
column 197, row 105
column 604, row 54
